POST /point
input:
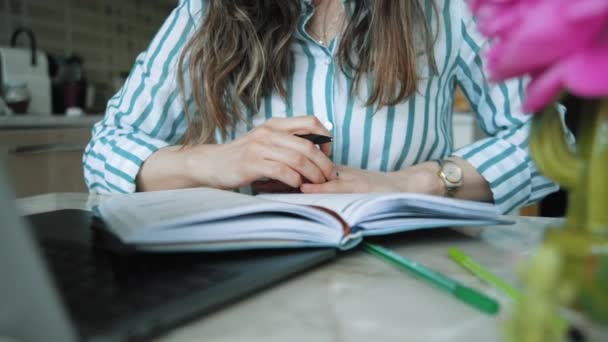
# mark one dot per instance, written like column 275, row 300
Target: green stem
column 597, row 188
column 557, row 161
column 550, row 149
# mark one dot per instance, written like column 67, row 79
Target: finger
column 299, row 125
column 326, row 148
column 296, row 160
column 307, row 149
column 278, row 171
column 335, row 186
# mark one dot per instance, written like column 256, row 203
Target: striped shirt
column 147, row 113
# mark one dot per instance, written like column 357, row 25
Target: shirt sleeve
column 146, row 114
column 503, row 158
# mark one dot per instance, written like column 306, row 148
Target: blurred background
column 61, row 60
column 89, row 46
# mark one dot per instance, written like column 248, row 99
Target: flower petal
column 531, row 35
column 543, row 89
column 587, row 72
column 583, row 10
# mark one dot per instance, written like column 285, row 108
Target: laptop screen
column 31, row 309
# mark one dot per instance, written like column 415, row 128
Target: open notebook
column 211, row 219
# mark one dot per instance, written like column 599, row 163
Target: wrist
column 198, row 171
column 420, row 178
column 171, row 167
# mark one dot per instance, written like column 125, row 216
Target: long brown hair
column 241, row 53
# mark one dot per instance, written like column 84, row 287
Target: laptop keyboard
column 100, row 288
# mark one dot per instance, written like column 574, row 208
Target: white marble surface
column 47, row 121
column 358, row 297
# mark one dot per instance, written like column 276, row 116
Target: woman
column 221, row 92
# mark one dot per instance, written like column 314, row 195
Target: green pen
column 464, row 293
column 462, row 259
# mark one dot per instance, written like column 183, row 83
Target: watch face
column 452, row 172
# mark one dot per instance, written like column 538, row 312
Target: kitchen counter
column 31, row 121
column 47, row 121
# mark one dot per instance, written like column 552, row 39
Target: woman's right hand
column 271, row 150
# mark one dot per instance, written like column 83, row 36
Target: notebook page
column 255, row 227
column 358, row 208
column 342, row 204
column 200, row 212
column 147, row 209
column 403, row 205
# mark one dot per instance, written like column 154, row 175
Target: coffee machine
column 28, row 67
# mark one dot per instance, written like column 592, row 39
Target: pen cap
column 476, row 299
column 457, row 255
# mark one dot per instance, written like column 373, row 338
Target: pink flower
column 561, row 44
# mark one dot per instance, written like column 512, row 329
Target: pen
column 316, row 139
column 462, row 259
column 462, row 292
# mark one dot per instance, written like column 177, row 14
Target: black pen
column 316, row 139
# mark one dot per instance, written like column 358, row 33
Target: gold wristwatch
column 451, row 174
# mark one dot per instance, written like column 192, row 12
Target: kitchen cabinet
column 44, row 158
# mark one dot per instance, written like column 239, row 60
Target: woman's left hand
column 420, row 179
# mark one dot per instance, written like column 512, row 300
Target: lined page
column 342, row 204
column 148, row 209
column 357, row 208
column 204, row 214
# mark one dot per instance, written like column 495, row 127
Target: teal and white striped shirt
column 147, row 113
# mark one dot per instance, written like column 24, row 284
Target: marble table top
column 358, row 297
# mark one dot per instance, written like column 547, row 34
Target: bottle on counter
column 69, row 85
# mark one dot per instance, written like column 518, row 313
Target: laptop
column 64, row 280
